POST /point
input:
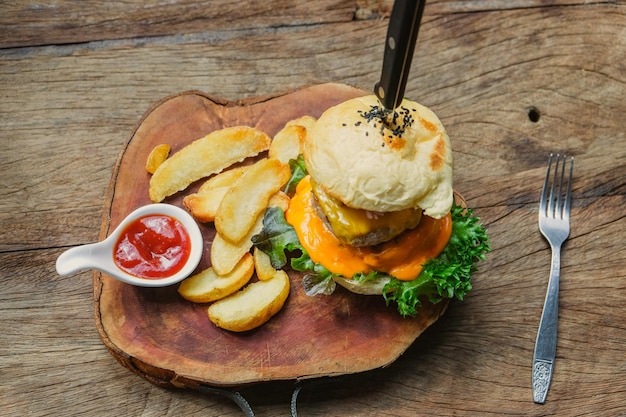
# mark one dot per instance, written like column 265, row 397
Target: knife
column 404, row 23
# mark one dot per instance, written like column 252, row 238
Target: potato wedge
column 263, row 265
column 157, row 156
column 287, row 144
column 280, row 199
column 223, row 179
column 208, row 286
column 252, row 306
column 225, row 254
column 203, row 206
column 206, row 156
column 248, row 197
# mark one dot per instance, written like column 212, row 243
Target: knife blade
column 404, row 23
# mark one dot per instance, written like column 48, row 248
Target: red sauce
column 153, row 247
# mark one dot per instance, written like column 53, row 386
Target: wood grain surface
column 511, row 81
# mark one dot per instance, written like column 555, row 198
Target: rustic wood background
column 512, row 80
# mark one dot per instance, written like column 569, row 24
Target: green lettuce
column 298, row 171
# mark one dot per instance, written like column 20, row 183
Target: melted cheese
column 401, row 257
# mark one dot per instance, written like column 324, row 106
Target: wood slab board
column 170, row 341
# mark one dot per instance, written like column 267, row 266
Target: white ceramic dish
column 99, row 255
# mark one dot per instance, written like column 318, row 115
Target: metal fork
column 554, row 210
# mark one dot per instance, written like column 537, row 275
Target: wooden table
column 511, row 80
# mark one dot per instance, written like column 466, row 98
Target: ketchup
column 154, row 246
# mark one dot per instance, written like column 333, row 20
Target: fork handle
column 545, row 345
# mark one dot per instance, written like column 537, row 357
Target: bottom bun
column 373, row 287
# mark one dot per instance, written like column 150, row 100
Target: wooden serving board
column 170, row 341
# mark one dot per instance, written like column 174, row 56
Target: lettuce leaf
column 298, row 171
column 279, row 239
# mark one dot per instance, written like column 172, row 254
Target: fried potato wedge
column 280, row 199
column 225, row 254
column 248, row 197
column 207, row 286
column 263, row 265
column 223, row 179
column 203, row 206
column 157, row 156
column 287, row 144
column 204, row 157
column 252, row 306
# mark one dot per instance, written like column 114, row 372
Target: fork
column 554, row 213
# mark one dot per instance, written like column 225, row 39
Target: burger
column 373, row 208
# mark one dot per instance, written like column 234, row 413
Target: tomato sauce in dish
column 153, row 246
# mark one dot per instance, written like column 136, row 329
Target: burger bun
column 382, row 163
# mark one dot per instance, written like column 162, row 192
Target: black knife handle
column 404, row 23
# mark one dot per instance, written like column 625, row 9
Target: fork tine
column 544, row 191
column 553, row 204
column 556, row 193
column 562, row 190
column 568, row 193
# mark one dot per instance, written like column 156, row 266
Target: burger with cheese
column 373, row 208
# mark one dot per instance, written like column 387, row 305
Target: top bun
column 367, row 164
